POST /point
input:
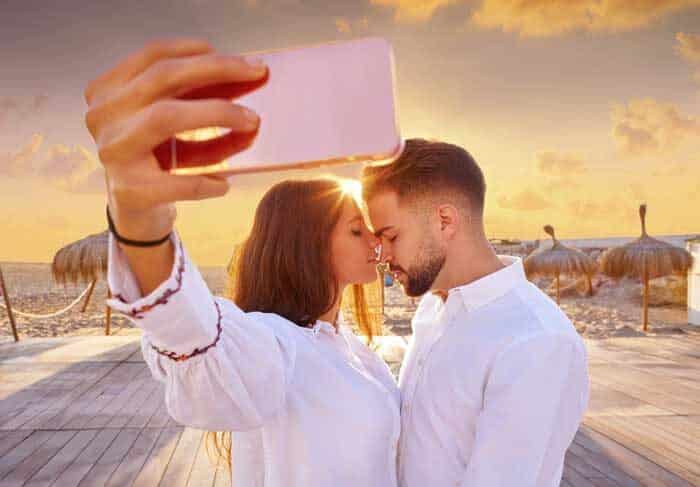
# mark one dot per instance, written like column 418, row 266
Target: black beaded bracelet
column 135, row 243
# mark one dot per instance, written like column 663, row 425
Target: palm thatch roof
column 558, row 260
column 82, row 261
column 646, row 257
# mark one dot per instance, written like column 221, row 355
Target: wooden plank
column 583, row 467
column 71, row 389
column 131, row 464
column 54, row 467
column 118, row 403
column 93, row 399
column 144, row 392
column 77, row 470
column 159, row 458
column 204, row 470
column 575, row 479
column 144, row 413
column 607, row 450
column 19, row 453
column 646, row 444
column 160, row 417
column 108, row 462
column 606, row 401
column 32, row 391
column 181, row 463
column 24, row 470
column 10, row 440
column 103, row 395
column 620, row 379
column 603, row 464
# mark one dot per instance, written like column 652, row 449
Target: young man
column 494, row 383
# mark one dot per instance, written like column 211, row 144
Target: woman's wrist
column 143, row 225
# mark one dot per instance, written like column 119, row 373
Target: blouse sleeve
column 223, row 369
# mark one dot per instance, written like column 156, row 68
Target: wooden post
column 87, row 298
column 557, row 288
column 646, row 301
column 590, row 285
column 108, row 312
column 9, row 308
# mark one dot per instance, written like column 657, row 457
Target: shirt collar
column 327, row 327
column 492, row 286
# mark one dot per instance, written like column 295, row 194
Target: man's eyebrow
column 379, row 232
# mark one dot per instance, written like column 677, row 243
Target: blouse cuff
column 180, row 318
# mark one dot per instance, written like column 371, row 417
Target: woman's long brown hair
column 284, row 267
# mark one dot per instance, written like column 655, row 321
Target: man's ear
column 449, row 218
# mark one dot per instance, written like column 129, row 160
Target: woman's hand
column 145, row 100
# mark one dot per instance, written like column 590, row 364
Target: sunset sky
column 576, row 110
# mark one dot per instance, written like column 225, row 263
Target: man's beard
column 421, row 275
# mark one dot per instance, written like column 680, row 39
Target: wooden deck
column 85, row 411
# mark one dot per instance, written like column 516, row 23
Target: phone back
column 324, row 104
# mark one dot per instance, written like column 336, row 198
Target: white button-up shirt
column 308, row 407
column 493, row 386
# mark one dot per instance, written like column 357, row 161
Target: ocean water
column 677, row 240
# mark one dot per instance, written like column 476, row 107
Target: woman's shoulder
column 277, row 323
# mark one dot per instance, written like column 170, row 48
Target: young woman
column 309, row 404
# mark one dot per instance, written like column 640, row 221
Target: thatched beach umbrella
column 559, row 260
column 84, row 261
column 645, row 258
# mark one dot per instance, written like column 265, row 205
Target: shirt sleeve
column 529, row 416
column 223, row 369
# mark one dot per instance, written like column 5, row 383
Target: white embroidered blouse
column 308, row 407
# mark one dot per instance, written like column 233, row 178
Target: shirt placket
column 434, row 334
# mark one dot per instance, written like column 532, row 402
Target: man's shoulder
column 524, row 315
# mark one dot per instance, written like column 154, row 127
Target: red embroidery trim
column 163, row 299
column 197, row 351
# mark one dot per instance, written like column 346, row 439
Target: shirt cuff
column 180, row 317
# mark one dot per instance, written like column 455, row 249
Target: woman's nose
column 373, row 241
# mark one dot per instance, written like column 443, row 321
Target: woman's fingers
column 164, row 119
column 191, row 77
column 190, row 153
column 197, row 187
column 138, row 62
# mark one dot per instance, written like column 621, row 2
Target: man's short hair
column 427, row 169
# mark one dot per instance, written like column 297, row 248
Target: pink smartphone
column 321, row 105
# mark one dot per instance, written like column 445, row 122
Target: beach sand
column 614, row 311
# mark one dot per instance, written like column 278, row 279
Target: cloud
column 74, row 169
column 71, row 169
column 19, row 110
column 612, row 207
column 526, row 200
column 671, row 170
column 688, row 46
column 560, row 170
column 345, row 26
column 647, row 126
column 547, row 18
column 559, row 164
column 413, row 11
column 20, row 163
